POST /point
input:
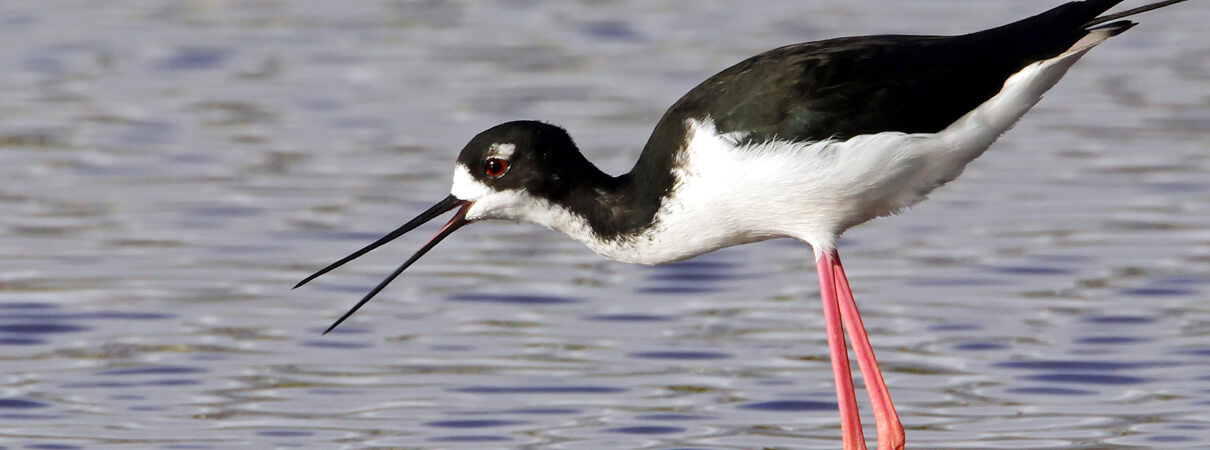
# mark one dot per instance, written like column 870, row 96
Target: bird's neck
column 622, row 207
column 608, row 208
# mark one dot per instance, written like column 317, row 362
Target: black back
column 839, row 88
column 857, row 85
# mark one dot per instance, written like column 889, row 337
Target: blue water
column 169, row 169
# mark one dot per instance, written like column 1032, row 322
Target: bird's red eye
column 495, row 167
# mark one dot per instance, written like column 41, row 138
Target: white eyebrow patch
column 502, row 151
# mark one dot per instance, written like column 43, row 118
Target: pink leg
column 850, row 421
column 890, row 431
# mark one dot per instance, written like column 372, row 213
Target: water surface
column 169, row 169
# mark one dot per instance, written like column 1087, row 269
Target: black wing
column 849, row 86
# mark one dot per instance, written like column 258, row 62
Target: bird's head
column 516, row 170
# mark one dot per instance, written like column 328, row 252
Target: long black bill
column 455, row 223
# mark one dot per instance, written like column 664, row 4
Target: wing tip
column 1113, row 28
column 1093, row 24
column 1099, row 34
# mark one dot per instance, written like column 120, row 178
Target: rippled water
column 169, row 169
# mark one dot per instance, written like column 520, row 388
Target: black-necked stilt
column 804, row 141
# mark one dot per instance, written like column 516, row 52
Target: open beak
column 441, row 207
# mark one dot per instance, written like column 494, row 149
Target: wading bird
column 803, row 141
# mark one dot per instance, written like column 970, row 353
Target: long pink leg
column 850, row 421
column 890, row 431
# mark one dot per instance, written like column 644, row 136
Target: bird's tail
column 1127, row 13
